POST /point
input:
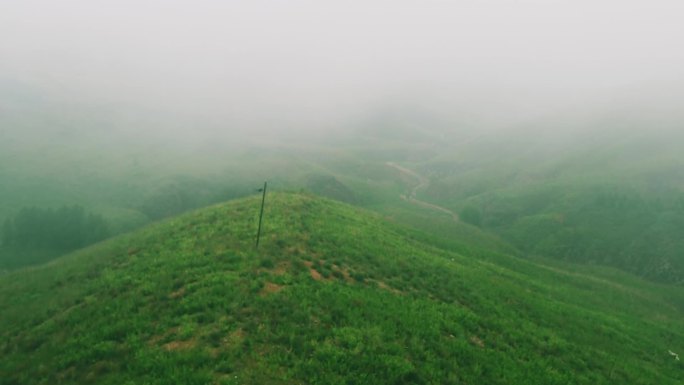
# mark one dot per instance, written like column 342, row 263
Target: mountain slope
column 334, row 295
column 605, row 196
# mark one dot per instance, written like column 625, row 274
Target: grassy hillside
column 53, row 158
column 334, row 295
column 601, row 188
column 601, row 197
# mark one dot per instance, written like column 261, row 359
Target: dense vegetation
column 334, row 295
column 36, row 235
column 616, row 227
column 594, row 197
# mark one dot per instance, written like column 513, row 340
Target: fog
column 246, row 66
column 341, row 191
column 528, row 120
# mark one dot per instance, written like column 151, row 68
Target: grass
column 334, row 295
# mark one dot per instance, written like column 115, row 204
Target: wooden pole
column 261, row 215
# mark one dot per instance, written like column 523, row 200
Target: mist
column 272, row 67
column 341, row 191
column 117, row 105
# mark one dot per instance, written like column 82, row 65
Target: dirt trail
column 423, row 182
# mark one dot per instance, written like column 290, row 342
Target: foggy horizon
column 305, row 65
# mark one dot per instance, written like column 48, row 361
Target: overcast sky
column 298, row 59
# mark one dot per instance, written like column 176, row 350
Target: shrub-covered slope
column 613, row 198
column 334, row 295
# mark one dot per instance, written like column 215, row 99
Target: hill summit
column 334, row 295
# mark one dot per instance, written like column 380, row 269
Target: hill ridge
column 336, row 295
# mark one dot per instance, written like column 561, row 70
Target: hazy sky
column 315, row 59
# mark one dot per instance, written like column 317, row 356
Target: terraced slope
column 334, row 295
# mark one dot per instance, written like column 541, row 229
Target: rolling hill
column 334, row 295
column 602, row 196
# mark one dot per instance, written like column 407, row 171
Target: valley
column 422, row 184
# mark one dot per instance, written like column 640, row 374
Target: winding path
column 423, row 182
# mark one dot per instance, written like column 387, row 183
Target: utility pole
column 261, row 214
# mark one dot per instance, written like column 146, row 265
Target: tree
column 64, row 229
column 7, row 232
column 471, row 215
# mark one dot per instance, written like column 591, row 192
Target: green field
column 334, row 295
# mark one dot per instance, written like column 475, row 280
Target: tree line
column 63, row 229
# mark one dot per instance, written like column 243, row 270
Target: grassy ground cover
column 334, row 295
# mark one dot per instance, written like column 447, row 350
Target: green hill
column 334, row 295
column 609, row 197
